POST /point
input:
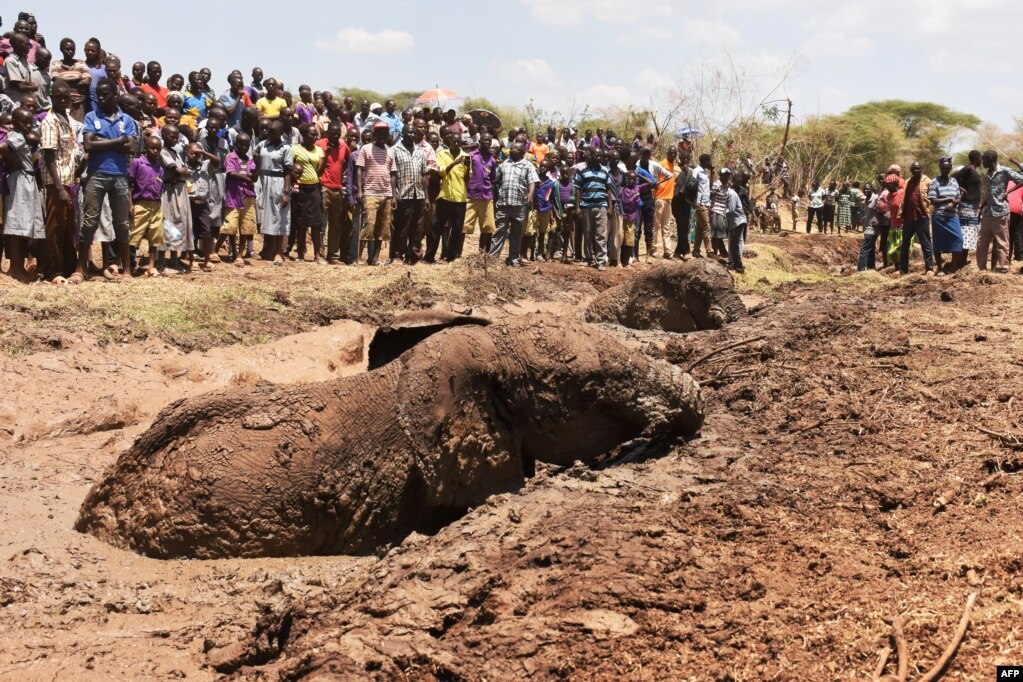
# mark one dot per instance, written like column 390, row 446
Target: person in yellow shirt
column 271, row 103
column 449, row 215
column 307, row 203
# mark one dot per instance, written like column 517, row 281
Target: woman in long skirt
column 274, row 161
column 947, row 233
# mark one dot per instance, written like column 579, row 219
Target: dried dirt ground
column 842, row 479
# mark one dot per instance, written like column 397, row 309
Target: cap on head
column 380, row 125
column 375, row 106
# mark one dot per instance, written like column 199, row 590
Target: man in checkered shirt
column 516, row 181
column 407, row 241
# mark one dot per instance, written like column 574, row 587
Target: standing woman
column 947, row 232
column 310, row 160
column 75, row 73
column 274, row 160
column 843, row 217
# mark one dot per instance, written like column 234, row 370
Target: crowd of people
column 90, row 154
column 977, row 209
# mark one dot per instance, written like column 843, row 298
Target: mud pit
column 839, row 481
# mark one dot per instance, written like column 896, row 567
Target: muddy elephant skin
column 677, row 297
column 352, row 465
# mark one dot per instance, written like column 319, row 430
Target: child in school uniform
column 177, row 209
column 631, row 204
column 240, row 199
column 543, row 208
column 145, row 173
column 199, row 165
column 23, row 201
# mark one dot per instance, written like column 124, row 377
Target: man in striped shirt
column 592, row 194
column 516, row 180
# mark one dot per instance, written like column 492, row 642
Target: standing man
column 339, row 221
column 681, row 209
column 108, row 137
column 366, row 119
column 411, row 197
column 255, row 90
column 916, row 219
column 701, row 172
column 393, row 120
column 449, row 220
column 234, row 99
column 970, row 183
column 154, row 72
column 735, row 218
column 516, row 181
column 994, row 221
column 376, row 173
column 59, row 132
column 593, row 196
column 664, row 195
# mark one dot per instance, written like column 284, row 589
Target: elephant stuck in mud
column 352, row 465
column 692, row 296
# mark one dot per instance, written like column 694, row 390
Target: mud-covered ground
column 859, row 461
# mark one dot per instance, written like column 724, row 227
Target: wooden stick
column 722, row 349
column 882, row 661
column 900, row 646
column 938, row 668
column 811, row 427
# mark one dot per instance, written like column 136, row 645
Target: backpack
column 690, row 186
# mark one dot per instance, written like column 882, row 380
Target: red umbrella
column 438, row 97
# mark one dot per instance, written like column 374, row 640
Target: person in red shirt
column 916, row 219
column 337, row 210
column 1014, row 194
column 152, row 85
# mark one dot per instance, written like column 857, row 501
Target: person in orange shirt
column 663, row 194
column 539, row 149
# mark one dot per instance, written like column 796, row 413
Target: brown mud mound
column 352, row 465
column 679, row 297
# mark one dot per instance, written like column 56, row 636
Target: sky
column 567, row 53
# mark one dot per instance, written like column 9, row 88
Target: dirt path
column 840, row 481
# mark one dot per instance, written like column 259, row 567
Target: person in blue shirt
column 109, row 136
column 735, row 218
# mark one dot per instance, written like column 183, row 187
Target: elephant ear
column 407, row 330
column 461, row 435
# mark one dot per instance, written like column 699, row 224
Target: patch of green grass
column 774, row 267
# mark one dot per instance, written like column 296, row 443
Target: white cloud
column 640, row 35
column 604, row 95
column 711, row 33
column 652, row 79
column 574, row 12
column 355, row 40
column 837, row 44
column 534, row 72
